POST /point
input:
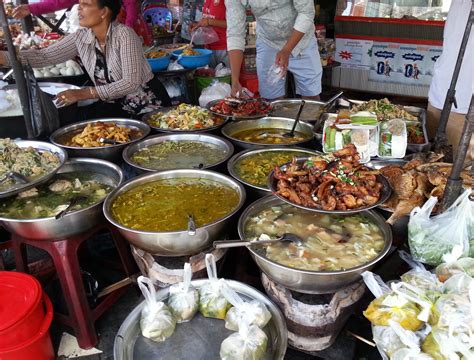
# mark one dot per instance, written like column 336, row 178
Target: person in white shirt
column 285, row 36
column 443, row 73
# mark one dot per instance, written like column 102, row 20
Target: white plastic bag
column 222, row 70
column 156, row 321
column 275, row 74
column 184, row 298
column 204, row 35
column 251, row 312
column 211, row 301
column 250, row 343
column 216, row 91
column 432, row 237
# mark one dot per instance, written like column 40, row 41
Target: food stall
column 253, row 229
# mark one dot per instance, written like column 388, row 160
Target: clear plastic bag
column 216, row 91
column 275, row 74
column 211, row 301
column 421, row 278
column 458, row 284
column 432, row 237
column 204, row 35
column 222, row 70
column 184, row 298
column 393, row 138
column 453, row 265
column 173, row 66
column 252, row 312
column 157, row 323
column 250, row 343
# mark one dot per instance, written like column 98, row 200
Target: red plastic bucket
column 38, row 347
column 21, row 308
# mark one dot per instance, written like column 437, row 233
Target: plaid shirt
column 126, row 62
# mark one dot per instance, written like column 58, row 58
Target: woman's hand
column 236, row 90
column 202, row 23
column 70, row 97
column 282, row 59
column 21, row 12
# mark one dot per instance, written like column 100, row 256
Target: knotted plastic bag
column 432, row 237
column 250, row 343
column 211, row 301
column 184, row 298
column 157, row 323
column 252, row 312
column 215, row 91
column 455, row 264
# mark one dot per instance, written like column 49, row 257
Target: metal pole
column 454, row 185
column 440, row 139
column 18, row 72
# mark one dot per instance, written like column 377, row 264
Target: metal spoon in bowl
column 16, row 177
column 191, row 225
column 109, row 141
column 297, row 119
column 72, row 202
column 295, row 239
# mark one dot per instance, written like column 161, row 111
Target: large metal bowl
column 111, row 152
column 232, row 128
column 260, row 191
column 305, row 281
column 184, row 344
column 288, row 108
column 74, row 222
column 40, row 146
column 175, row 243
column 222, row 144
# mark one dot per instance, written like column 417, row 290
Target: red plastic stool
column 81, row 317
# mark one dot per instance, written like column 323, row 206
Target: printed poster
column 353, row 53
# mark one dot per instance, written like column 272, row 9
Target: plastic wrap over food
column 250, row 343
column 211, row 301
column 251, row 312
column 184, row 298
column 157, row 323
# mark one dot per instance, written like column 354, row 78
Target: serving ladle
column 287, row 237
column 16, row 177
column 297, row 119
column 72, row 202
column 109, row 141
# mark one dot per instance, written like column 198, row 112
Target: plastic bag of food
column 410, row 354
column 392, row 338
column 250, row 343
column 421, row 278
column 393, row 138
column 184, row 298
column 452, row 309
column 458, row 284
column 222, row 70
column 252, row 312
column 216, row 91
column 417, row 296
column 156, row 322
column 204, row 35
column 173, row 66
column 430, row 238
column 448, row 344
column 211, row 301
column 454, row 264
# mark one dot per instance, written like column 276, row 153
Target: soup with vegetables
column 85, row 188
column 179, row 155
column 254, row 169
column 331, row 242
column 165, row 205
column 269, row 136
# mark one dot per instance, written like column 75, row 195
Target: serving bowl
column 232, row 128
column 74, row 222
column 222, row 144
column 110, row 152
column 306, row 281
column 194, row 61
column 260, row 191
column 175, row 243
column 160, row 63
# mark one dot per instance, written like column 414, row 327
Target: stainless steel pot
column 74, row 222
column 305, row 281
column 259, row 191
column 175, row 243
column 111, row 152
column 223, row 145
column 232, row 128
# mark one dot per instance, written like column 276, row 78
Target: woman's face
column 90, row 14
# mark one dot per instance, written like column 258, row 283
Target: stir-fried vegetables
column 385, row 110
column 184, row 117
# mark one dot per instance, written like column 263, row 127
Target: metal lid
column 19, row 294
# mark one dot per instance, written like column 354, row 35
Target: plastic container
column 203, row 82
column 21, row 308
column 159, row 64
column 193, row 62
column 37, row 347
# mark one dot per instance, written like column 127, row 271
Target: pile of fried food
column 241, row 107
column 384, row 110
column 330, row 182
column 155, row 54
column 92, row 134
column 189, row 51
column 415, row 182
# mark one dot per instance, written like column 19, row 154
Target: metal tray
column 288, row 108
column 384, row 194
column 146, row 119
column 250, row 117
column 41, row 146
column 199, row 339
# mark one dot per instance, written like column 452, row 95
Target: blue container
column 159, row 64
column 193, row 62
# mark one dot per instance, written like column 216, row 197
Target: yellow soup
column 165, row 205
column 269, row 136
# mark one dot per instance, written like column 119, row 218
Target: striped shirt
column 126, row 62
